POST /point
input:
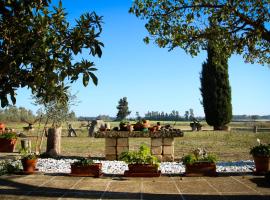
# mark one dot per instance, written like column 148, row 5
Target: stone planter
column 93, row 170
column 142, row 170
column 7, row 145
column 29, row 165
column 201, row 169
column 262, row 164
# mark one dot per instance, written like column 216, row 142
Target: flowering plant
column 260, row 149
column 199, row 155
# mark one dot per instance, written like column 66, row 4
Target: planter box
column 29, row 165
column 201, row 169
column 262, row 164
column 93, row 170
column 142, row 170
column 7, row 145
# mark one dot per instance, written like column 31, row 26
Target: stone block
column 159, row 157
column 168, row 158
column 168, row 150
column 122, row 142
column 110, row 157
column 121, row 149
column 168, row 141
column 156, row 150
column 156, row 142
column 110, row 150
column 110, row 142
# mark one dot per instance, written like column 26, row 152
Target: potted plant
column 261, row 156
column 29, row 162
column 199, row 163
column 86, row 167
column 141, row 163
column 8, row 142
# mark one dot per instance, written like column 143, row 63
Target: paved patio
column 42, row 186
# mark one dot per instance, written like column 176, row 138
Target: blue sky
column 152, row 78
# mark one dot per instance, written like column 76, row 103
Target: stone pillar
column 110, row 148
column 122, row 145
column 163, row 148
column 168, row 149
column 114, row 147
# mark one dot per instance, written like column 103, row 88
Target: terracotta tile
column 228, row 184
column 160, row 187
column 194, row 186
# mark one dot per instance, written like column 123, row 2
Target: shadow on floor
column 22, row 189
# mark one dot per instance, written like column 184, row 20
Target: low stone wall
column 162, row 143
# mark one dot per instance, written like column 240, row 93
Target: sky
column 152, row 78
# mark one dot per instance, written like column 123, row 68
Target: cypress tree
column 215, row 88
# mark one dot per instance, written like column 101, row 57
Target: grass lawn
column 229, row 146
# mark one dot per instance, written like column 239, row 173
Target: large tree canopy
column 38, row 47
column 244, row 25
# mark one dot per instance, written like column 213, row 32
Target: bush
column 199, row 155
column 143, row 156
column 260, row 150
column 8, row 136
column 83, row 162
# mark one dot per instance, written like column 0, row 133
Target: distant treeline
column 21, row 114
column 250, row 117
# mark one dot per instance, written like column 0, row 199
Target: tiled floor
column 41, row 186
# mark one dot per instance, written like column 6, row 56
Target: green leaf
column 94, row 78
column 85, row 79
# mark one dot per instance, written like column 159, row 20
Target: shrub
column 83, row 162
column 143, row 156
column 8, row 136
column 199, row 155
column 260, row 150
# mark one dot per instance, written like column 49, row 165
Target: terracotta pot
column 201, row 169
column 7, row 145
column 142, row 170
column 2, row 127
column 262, row 164
column 93, row 170
column 29, row 165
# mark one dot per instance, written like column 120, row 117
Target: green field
column 229, row 146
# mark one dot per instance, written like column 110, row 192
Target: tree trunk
column 54, row 141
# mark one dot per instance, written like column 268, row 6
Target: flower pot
column 262, row 164
column 201, row 169
column 142, row 170
column 7, row 145
column 93, row 170
column 29, row 165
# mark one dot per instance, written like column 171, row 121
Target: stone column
column 110, row 148
column 156, row 148
column 122, row 145
column 163, row 148
column 114, row 147
column 168, row 149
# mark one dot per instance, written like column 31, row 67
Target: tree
column 38, row 47
column 123, row 111
column 191, row 114
column 186, row 115
column 215, row 88
column 185, row 24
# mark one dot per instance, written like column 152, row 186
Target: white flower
column 258, row 140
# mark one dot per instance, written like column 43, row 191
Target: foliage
column 15, row 114
column 186, row 24
column 215, row 88
column 122, row 107
column 26, row 155
column 143, row 156
column 260, row 150
column 9, row 167
column 57, row 110
column 83, row 162
column 199, row 155
column 8, row 136
column 38, row 48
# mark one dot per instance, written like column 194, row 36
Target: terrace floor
column 55, row 186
